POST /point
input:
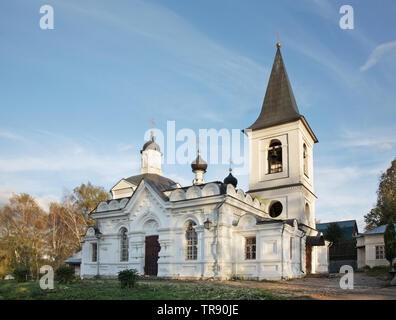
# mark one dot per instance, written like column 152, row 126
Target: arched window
column 275, row 209
column 305, row 156
column 124, row 245
column 307, row 212
column 275, row 157
column 191, row 242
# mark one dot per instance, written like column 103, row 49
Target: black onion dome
column 199, row 164
column 230, row 179
column 151, row 145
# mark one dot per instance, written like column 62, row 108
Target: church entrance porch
column 151, row 257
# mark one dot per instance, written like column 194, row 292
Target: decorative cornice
column 283, row 187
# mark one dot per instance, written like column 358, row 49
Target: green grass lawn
column 144, row 290
column 377, row 271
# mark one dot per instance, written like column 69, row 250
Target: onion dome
column 151, row 145
column 199, row 164
column 230, row 179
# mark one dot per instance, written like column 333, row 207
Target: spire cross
column 152, row 121
column 199, row 146
column 230, row 169
column 278, row 44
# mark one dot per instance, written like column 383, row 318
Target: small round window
column 276, row 209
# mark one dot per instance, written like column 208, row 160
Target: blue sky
column 76, row 101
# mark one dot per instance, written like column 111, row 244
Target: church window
column 291, row 248
column 275, row 157
column 124, row 245
column 305, row 156
column 94, row 252
column 250, row 248
column 276, row 209
column 192, row 242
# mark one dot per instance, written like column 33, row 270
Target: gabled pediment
column 122, row 189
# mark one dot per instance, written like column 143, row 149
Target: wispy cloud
column 55, row 162
column 377, row 138
column 344, row 192
column 378, row 53
column 229, row 73
column 11, row 136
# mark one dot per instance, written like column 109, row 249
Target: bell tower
column 281, row 152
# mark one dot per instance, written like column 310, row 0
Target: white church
column 213, row 230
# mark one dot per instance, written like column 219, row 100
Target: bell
column 274, row 154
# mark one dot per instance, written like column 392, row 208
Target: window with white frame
column 250, row 248
column 191, row 242
column 94, row 252
column 124, row 245
column 379, row 252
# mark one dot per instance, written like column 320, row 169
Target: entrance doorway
column 151, row 258
column 308, row 258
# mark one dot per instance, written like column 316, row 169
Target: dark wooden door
column 308, row 259
column 151, row 259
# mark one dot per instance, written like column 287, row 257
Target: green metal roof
column 349, row 227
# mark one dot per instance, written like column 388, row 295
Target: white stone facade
column 214, row 230
column 371, row 248
column 220, row 249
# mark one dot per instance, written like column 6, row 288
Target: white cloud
column 5, row 194
column 11, row 136
column 230, row 74
column 377, row 54
column 54, row 162
column 46, row 200
column 381, row 138
column 344, row 192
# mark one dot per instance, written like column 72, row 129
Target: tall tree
column 334, row 233
column 22, row 234
column 385, row 209
column 69, row 219
column 65, row 225
column 390, row 243
column 86, row 197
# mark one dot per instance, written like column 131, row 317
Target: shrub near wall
column 128, row 278
column 64, row 274
column 21, row 274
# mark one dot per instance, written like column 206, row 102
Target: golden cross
column 152, row 122
column 278, row 44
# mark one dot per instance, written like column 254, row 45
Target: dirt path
column 327, row 287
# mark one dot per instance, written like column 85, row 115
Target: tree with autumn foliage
column 385, row 210
column 23, row 235
column 30, row 237
column 69, row 219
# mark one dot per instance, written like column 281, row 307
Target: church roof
column 151, row 145
column 378, row 230
column 160, row 182
column 75, row 259
column 199, row 164
column 279, row 104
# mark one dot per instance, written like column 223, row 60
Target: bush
column 64, row 274
column 21, row 274
column 128, row 278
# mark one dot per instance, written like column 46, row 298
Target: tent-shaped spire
column 279, row 105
